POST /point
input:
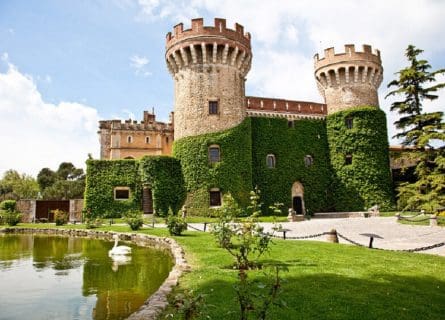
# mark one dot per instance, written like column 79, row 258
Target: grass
column 324, row 280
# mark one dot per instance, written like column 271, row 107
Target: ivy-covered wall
column 102, row 177
column 232, row 174
column 367, row 180
column 290, row 143
column 164, row 176
column 161, row 173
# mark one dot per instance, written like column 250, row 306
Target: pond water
column 49, row 277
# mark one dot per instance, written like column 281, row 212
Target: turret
column 209, row 65
column 349, row 79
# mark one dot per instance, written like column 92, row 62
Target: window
column 121, row 193
column 129, row 139
column 270, row 161
column 214, row 154
column 147, row 140
column 348, row 123
column 290, row 123
column 166, row 140
column 348, row 159
column 308, row 160
column 213, row 107
column 129, row 157
column 215, row 197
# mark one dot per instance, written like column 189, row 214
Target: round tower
column 356, row 128
column 209, row 65
column 349, row 79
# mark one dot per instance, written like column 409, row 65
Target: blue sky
column 66, row 64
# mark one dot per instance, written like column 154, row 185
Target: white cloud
column 37, row 134
column 139, row 64
column 287, row 33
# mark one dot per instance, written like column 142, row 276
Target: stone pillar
column 332, row 236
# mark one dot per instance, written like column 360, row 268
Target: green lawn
column 324, row 280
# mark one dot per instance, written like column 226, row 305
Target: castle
column 330, row 156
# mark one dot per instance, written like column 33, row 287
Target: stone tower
column 356, row 127
column 349, row 79
column 209, row 66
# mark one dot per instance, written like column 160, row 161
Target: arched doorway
column 298, row 198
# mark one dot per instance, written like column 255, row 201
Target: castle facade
column 309, row 156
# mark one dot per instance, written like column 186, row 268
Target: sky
column 65, row 65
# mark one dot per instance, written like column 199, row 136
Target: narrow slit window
column 271, row 161
column 215, row 198
column 214, row 154
column 349, row 122
column 129, row 139
column 348, row 159
column 213, row 107
column 147, row 140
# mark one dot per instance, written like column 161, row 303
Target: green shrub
column 175, row 225
column 11, row 218
column 92, row 223
column 8, row 205
column 134, row 219
column 60, row 217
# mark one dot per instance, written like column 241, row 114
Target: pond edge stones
column 157, row 302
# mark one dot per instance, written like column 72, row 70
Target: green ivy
column 161, row 173
column 164, row 176
column 367, row 181
column 102, row 177
column 290, row 142
column 232, row 174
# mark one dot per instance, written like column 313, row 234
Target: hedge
column 367, row 181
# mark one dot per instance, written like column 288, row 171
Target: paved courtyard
column 393, row 235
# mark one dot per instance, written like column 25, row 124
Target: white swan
column 119, row 250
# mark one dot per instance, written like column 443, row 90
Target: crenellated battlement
column 199, row 30
column 208, row 46
column 350, row 54
column 349, row 79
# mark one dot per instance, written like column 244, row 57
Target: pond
column 50, row 277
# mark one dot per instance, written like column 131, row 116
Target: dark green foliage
column 417, row 127
column 175, row 225
column 68, row 182
column 134, row 219
column 102, row 177
column 8, row 205
column 290, row 145
column 46, row 178
column 423, row 131
column 232, row 174
column 164, row 176
column 367, row 181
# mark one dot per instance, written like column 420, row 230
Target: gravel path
column 394, row 236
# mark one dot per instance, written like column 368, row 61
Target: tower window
column 348, row 159
column 270, row 161
column 215, row 197
column 166, row 140
column 290, row 123
column 349, row 122
column 129, row 139
column 214, row 154
column 121, row 193
column 213, row 107
column 308, row 160
column 147, row 140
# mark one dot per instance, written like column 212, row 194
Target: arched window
column 147, row 140
column 129, row 157
column 215, row 197
column 308, row 160
column 348, row 159
column 270, row 161
column 129, row 139
column 166, row 140
column 214, row 153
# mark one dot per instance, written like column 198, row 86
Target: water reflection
column 45, row 277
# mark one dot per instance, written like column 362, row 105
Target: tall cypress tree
column 423, row 131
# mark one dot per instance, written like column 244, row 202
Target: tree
column 14, row 185
column 423, row 131
column 46, row 178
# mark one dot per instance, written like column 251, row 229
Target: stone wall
column 27, row 208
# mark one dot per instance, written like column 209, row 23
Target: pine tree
column 425, row 132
